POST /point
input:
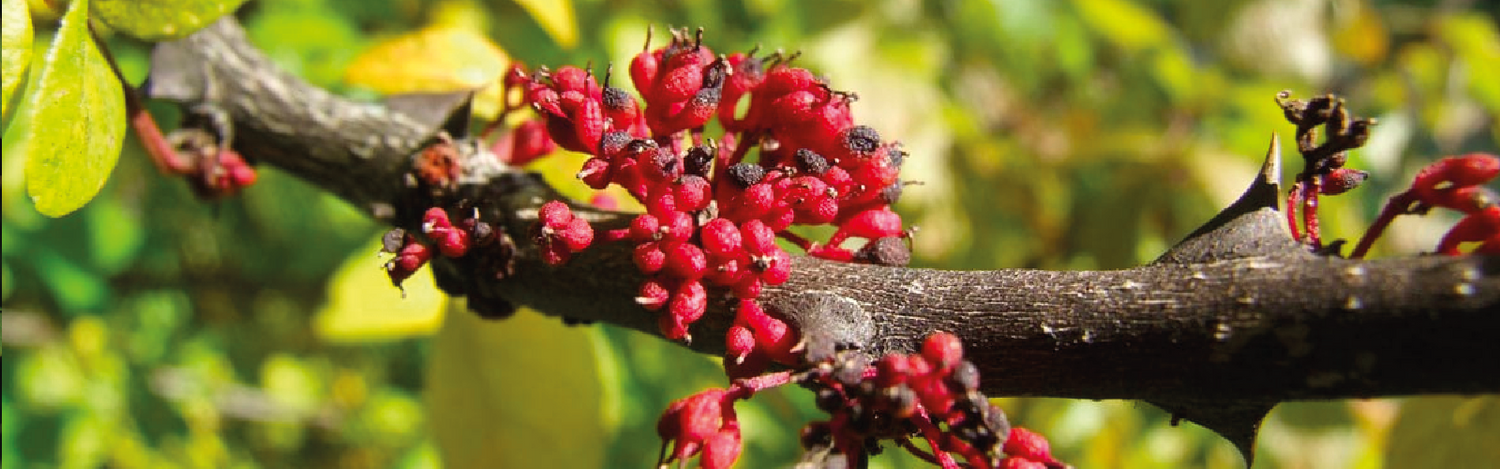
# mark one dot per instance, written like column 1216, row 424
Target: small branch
column 1242, row 318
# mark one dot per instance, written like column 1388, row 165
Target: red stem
column 1310, row 192
column 1398, row 205
column 1293, row 199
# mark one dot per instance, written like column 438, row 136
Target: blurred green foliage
column 153, row 330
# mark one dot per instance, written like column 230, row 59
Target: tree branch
column 1229, row 323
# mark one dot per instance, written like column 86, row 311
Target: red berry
column 721, row 449
column 721, row 238
column 653, row 295
column 739, row 342
column 577, row 235
column 645, row 227
column 692, row 193
column 1026, row 444
column 689, row 302
column 757, row 237
column 435, row 217
column 686, row 261
column 554, row 214
column 649, row 257
column 943, row 349
column 677, row 226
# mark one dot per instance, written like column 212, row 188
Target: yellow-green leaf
column 15, row 47
column 1446, row 432
column 161, row 20
column 70, row 126
column 362, row 306
column 439, row 58
column 523, row 392
column 556, row 17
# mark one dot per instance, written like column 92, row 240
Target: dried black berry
column 745, row 175
column 892, row 193
column 614, row 141
column 698, row 160
column 887, row 251
column 393, row 240
column 966, row 376
column 616, row 98
column 809, row 162
column 861, row 140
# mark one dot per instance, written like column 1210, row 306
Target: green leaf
column 71, row 126
column 15, row 46
column 161, row 20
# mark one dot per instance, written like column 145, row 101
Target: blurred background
column 153, row 330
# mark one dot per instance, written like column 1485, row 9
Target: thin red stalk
column 934, row 437
column 1293, row 199
column 1310, row 193
column 162, row 154
column 1398, row 205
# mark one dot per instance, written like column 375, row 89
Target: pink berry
column 686, row 261
column 721, row 238
column 555, row 214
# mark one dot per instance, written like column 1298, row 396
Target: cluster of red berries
column 450, row 240
column 1455, row 183
column 712, row 216
column 702, row 424
column 933, row 394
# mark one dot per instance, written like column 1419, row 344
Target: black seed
column 861, row 139
column 614, row 141
column 745, row 175
column 616, row 98
column 697, row 161
column 809, row 162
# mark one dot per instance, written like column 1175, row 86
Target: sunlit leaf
column 161, row 20
column 362, row 306
column 524, row 392
column 556, row 17
column 71, row 125
column 15, row 48
column 434, row 59
column 1128, row 25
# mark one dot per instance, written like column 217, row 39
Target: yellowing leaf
column 363, row 306
column 431, row 60
column 71, row 124
column 161, row 20
column 520, row 393
column 556, row 17
column 15, row 48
